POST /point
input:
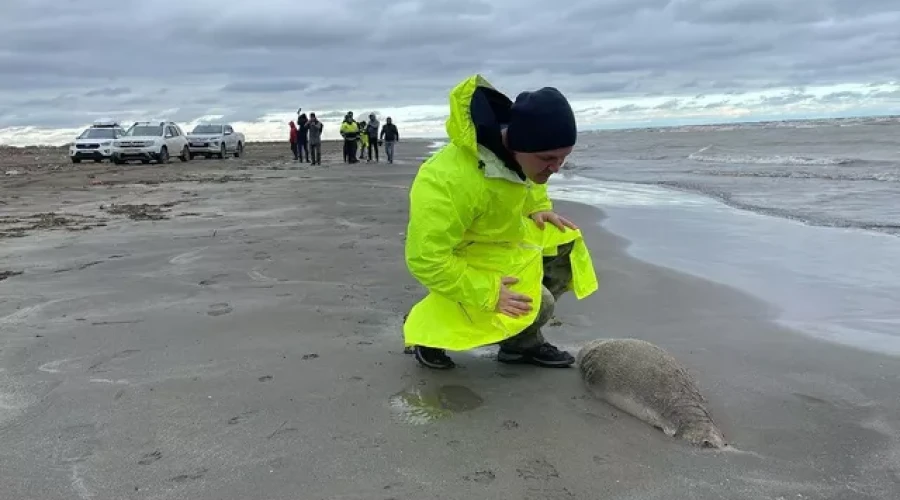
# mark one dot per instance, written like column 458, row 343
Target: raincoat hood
column 478, row 115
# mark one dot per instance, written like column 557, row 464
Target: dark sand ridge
column 248, row 346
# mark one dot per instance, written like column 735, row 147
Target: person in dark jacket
column 372, row 133
column 315, row 139
column 390, row 136
column 293, row 139
column 302, row 138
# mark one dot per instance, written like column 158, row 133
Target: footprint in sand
column 219, row 309
column 149, row 458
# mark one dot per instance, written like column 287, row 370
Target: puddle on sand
column 423, row 405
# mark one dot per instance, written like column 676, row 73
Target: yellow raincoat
column 363, row 139
column 469, row 226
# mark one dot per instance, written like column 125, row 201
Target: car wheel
column 239, row 150
column 118, row 161
column 76, row 160
column 222, row 151
column 185, row 154
column 163, row 157
column 97, row 161
column 145, row 161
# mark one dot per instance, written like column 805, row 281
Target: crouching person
column 482, row 235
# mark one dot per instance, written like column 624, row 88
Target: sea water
column 803, row 215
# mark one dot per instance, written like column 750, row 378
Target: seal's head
column 704, row 434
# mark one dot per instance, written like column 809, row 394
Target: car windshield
column 145, row 131
column 98, row 133
column 207, row 129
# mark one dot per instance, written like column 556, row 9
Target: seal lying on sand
column 641, row 379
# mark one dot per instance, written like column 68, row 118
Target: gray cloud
column 265, row 86
column 246, row 60
column 108, row 92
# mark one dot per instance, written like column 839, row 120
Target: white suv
column 95, row 143
column 151, row 141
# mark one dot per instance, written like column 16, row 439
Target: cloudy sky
column 64, row 63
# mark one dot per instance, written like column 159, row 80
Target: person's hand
column 511, row 303
column 541, row 218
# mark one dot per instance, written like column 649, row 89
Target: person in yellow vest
column 350, row 132
column 482, row 235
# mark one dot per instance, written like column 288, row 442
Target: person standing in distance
column 482, row 235
column 315, row 139
column 293, row 138
column 350, row 132
column 372, row 132
column 390, row 136
column 303, row 138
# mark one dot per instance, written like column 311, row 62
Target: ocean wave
column 805, row 174
column 704, row 155
column 773, row 124
column 437, row 144
column 806, row 218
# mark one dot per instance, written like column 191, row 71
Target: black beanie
column 541, row 120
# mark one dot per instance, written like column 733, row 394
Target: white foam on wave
column 836, row 284
column 702, row 155
column 437, row 145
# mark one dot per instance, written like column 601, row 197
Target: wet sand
column 232, row 331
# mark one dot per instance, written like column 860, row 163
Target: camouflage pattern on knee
column 532, row 336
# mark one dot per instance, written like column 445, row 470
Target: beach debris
column 144, row 211
column 646, row 382
column 19, row 226
column 9, row 274
column 480, row 476
column 309, row 356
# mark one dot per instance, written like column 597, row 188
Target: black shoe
column 434, row 358
column 546, row 355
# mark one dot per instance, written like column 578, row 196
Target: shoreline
column 829, row 283
column 249, row 345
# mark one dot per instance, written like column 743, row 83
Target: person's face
column 388, row 120
column 541, row 165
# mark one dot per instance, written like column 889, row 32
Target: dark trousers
column 350, row 151
column 294, row 150
column 316, row 150
column 557, row 276
column 373, row 144
column 303, row 150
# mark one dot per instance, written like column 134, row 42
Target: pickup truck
column 215, row 139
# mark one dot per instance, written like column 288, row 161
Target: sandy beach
column 232, row 330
